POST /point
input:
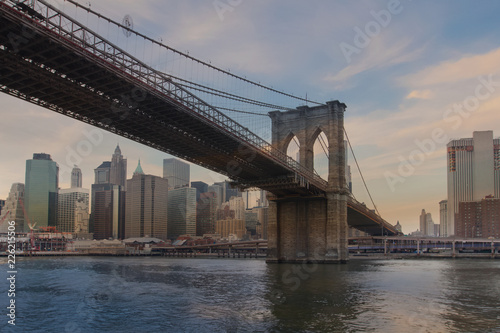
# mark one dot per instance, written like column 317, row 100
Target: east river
column 153, row 294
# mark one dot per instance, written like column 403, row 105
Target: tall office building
column 443, row 218
column 206, row 213
column 426, row 224
column 76, row 177
column 200, row 187
column 102, row 173
column 473, row 172
column 217, row 189
column 40, row 191
column 118, row 168
column 73, row 210
column 227, row 191
column 108, row 198
column 146, row 206
column 181, row 212
column 176, row 172
column 13, row 210
column 108, row 211
column 237, row 204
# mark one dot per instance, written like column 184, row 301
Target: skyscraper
column 200, row 187
column 176, row 172
column 181, row 212
column 102, row 173
column 443, row 218
column 146, row 205
column 73, row 210
column 13, row 210
column 206, row 213
column 118, row 168
column 76, row 177
column 473, row 172
column 108, row 198
column 108, row 211
column 40, row 192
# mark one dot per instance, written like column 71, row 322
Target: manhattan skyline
column 410, row 86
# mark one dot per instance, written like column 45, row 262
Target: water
column 143, row 294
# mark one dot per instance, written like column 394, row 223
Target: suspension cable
column 190, row 57
column 359, row 169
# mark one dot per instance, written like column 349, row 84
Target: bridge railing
column 131, row 68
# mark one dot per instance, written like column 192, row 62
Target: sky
column 413, row 74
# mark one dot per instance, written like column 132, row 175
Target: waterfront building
column 443, row 218
column 73, row 210
column 176, row 172
column 181, row 212
column 118, row 168
column 40, row 191
column 473, row 170
column 13, row 210
column 146, row 205
column 228, row 227
column 262, row 217
column 478, row 219
column 76, row 177
column 200, row 187
column 206, row 213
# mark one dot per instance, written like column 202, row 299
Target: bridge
column 52, row 60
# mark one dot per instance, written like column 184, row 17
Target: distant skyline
column 413, row 74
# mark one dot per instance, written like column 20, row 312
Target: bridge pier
column 310, row 227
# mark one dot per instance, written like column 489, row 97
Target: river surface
column 153, row 294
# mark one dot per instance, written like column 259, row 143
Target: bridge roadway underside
column 46, row 69
column 357, row 219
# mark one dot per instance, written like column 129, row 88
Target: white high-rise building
column 76, row 177
column 237, row 204
column 473, row 172
column 13, row 210
column 73, row 210
column 177, row 173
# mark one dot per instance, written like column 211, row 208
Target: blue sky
column 400, row 84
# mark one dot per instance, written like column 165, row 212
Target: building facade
column 176, row 172
column 206, row 213
column 40, row 191
column 146, row 206
column 73, row 207
column 118, row 168
column 181, row 212
column 108, row 211
column 13, row 210
column 473, row 170
column 478, row 219
column 76, row 177
column 443, row 218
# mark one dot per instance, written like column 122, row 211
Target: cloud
column 383, row 51
column 453, row 71
column 420, row 94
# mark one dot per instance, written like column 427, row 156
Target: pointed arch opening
column 320, row 151
column 292, row 147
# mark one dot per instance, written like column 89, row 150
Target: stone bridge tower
column 311, row 228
